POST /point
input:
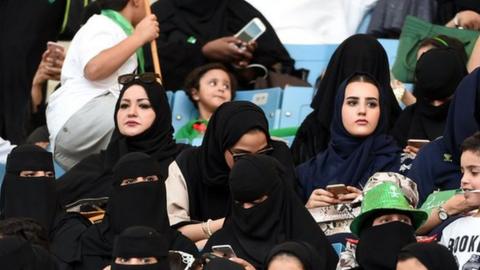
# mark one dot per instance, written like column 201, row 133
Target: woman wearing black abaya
column 28, row 188
column 203, row 31
column 266, row 212
column 288, row 254
column 429, row 256
column 437, row 74
column 92, row 177
column 137, row 199
column 358, row 53
column 197, row 184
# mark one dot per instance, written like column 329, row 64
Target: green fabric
column 413, row 32
column 127, row 27
column 284, row 132
column 437, row 199
column 188, row 132
column 386, row 196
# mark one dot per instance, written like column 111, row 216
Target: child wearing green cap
column 462, row 237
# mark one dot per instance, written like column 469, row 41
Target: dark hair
column 403, row 256
column 472, row 143
column 286, row 254
column 442, row 41
column 368, row 222
column 26, row 228
column 363, row 78
column 192, row 82
column 96, row 7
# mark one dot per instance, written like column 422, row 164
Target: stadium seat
column 312, row 57
column 390, row 46
column 268, row 99
column 182, row 110
column 295, row 106
column 170, row 98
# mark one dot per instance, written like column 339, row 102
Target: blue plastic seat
column 268, row 99
column 390, row 46
column 312, row 57
column 295, row 106
column 183, row 110
column 170, row 98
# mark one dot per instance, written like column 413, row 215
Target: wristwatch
column 442, row 213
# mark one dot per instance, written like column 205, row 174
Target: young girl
column 208, row 87
column 108, row 45
column 358, row 146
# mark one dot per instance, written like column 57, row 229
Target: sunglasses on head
column 147, row 77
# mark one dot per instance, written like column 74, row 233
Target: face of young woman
column 37, row 174
column 140, row 179
column 135, row 113
column 252, row 142
column 361, row 109
column 384, row 219
column 285, row 262
column 214, row 90
column 136, row 261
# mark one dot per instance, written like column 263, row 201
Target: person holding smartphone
column 204, row 31
column 108, row 45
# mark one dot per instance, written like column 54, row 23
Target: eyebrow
column 139, row 99
column 472, row 167
column 357, row 98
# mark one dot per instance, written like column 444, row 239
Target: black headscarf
column 187, row 25
column 18, row 254
column 140, row 242
column 379, row 245
column 303, row 251
column 205, row 169
column 437, row 165
column 432, row 255
column 358, row 53
column 351, row 160
column 139, row 204
column 31, row 197
column 253, row 232
column 92, row 177
column 222, row 264
column 438, row 73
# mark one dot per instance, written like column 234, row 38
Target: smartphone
column 55, row 48
column 417, row 143
column 251, row 31
column 337, row 189
column 225, row 251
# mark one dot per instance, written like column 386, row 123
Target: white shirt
column 5, row 148
column 98, row 34
column 462, row 238
column 313, row 21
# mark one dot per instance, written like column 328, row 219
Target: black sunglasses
column 147, row 77
column 265, row 151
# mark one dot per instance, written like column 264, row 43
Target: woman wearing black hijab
column 28, row 188
column 92, row 177
column 358, row 53
column 142, row 248
column 203, row 31
column 438, row 73
column 137, row 199
column 430, row 256
column 282, row 255
column 19, row 254
column 266, row 212
column 197, row 184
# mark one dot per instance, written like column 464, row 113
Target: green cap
column 386, row 196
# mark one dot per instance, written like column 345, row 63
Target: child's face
column 470, row 165
column 214, row 90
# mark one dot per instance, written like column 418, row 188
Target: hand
column 457, row 204
column 227, row 49
column 108, row 267
column 243, row 263
column 411, row 150
column 147, row 29
column 250, row 47
column 468, row 19
column 321, row 197
column 348, row 197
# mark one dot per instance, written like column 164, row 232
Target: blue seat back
column 295, row 105
column 268, row 99
column 170, row 98
column 312, row 57
column 183, row 110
